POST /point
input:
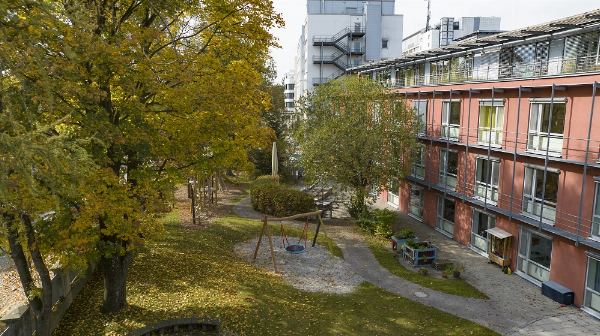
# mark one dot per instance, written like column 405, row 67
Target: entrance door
column 479, row 237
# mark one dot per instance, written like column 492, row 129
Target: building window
column 596, row 215
column 479, row 236
column 491, row 122
column 534, row 195
column 451, row 120
column 416, row 202
column 592, row 286
column 421, row 108
column 393, row 189
column 546, row 127
column 445, row 215
column 289, row 104
column 487, row 174
column 384, row 44
column 289, row 86
column 448, row 168
column 418, row 164
column 289, row 95
column 535, row 252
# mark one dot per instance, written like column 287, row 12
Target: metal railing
column 340, row 35
column 553, row 67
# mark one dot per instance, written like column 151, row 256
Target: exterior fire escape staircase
column 342, row 50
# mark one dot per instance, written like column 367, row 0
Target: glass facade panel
column 479, row 237
column 445, row 215
column 448, row 168
column 416, row 202
column 486, row 179
column 546, row 127
column 451, row 120
column 592, row 285
column 596, row 215
column 534, row 196
column 491, row 122
column 534, row 257
column 418, row 164
column 421, row 109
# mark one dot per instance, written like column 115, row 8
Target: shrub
column 385, row 220
column 270, row 198
column 265, row 180
column 288, row 201
column 367, row 222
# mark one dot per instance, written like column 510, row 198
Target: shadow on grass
column 196, row 274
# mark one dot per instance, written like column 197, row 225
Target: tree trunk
column 40, row 306
column 42, row 314
column 114, row 272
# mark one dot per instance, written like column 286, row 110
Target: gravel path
column 515, row 306
column 312, row 271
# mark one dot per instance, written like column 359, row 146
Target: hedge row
column 270, row 198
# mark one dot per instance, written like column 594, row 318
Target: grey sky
column 514, row 13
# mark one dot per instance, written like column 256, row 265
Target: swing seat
column 295, row 248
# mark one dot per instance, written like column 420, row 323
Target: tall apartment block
column 448, row 31
column 510, row 150
column 289, row 113
column 339, row 34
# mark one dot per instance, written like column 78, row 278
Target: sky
column 514, row 14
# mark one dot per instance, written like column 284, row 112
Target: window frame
column 418, row 206
column 419, row 165
column 443, row 171
column 588, row 290
column 447, row 127
column 494, row 169
column 538, row 131
column 494, row 117
column 440, row 218
column 421, row 113
column 596, row 211
column 490, row 219
column 535, row 200
column 526, row 257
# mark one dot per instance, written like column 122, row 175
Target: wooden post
column 325, row 233
column 193, row 206
column 271, row 245
column 216, row 188
column 262, row 231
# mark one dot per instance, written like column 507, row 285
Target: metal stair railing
column 328, row 58
column 337, row 37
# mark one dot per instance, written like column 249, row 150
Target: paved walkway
column 516, row 307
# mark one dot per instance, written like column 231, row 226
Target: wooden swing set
column 291, row 248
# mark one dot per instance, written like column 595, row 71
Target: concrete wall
column 65, row 287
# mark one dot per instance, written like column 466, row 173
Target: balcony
column 555, row 67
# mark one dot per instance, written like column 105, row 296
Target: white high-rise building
column 338, row 35
column 288, row 92
column 448, row 31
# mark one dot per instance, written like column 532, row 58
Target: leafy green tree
column 148, row 90
column 356, row 134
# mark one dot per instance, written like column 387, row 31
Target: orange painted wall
column 568, row 267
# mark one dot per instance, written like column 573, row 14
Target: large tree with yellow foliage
column 119, row 99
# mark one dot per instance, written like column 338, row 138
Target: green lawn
column 196, row 274
column 387, row 260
